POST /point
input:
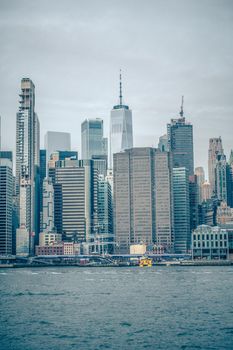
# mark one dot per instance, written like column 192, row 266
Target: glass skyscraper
column 121, row 129
column 93, row 142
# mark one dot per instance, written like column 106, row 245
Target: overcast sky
column 73, row 50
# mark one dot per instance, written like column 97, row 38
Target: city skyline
column 70, row 86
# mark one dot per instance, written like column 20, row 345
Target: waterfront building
column 200, row 174
column 22, row 242
column 180, row 142
column 135, row 173
column 210, row 243
column 121, row 128
column 48, row 206
column 215, row 148
column 163, row 143
column 205, row 191
column 54, row 249
column 27, row 161
column 221, row 177
column 224, row 214
column 182, row 237
column 6, row 197
column 93, row 142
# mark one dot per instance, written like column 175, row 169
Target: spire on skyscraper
column 182, row 107
column 120, row 96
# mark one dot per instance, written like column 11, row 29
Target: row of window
column 208, row 237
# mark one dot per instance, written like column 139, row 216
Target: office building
column 221, row 177
column 210, row 243
column 229, row 174
column 6, row 193
column 164, row 200
column 180, row 142
column 49, row 238
column 163, row 143
column 43, row 160
column 215, row 148
column 224, row 214
column 193, row 201
column 142, row 193
column 181, row 199
column 48, row 206
column 93, row 142
column 27, row 162
column 56, row 141
column 200, row 174
column 79, row 189
column 205, row 191
column 121, row 128
column 207, row 213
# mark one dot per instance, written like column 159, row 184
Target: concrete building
column 180, row 143
column 6, row 197
column 121, row 128
column 205, row 191
column 181, row 198
column 200, row 174
column 48, row 206
column 221, row 177
column 210, row 243
column 224, row 214
column 164, row 200
column 49, row 238
column 93, row 142
column 215, row 148
column 135, row 174
column 27, row 161
column 79, row 189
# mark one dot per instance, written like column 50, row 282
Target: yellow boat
column 144, row 261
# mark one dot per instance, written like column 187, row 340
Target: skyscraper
column 27, row 160
column 6, row 195
column 121, row 128
column 93, row 142
column 56, row 141
column 200, row 174
column 221, row 177
column 180, row 142
column 181, row 210
column 142, row 198
column 215, row 148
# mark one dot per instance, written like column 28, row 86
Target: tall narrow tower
column 215, row 149
column 180, row 142
column 27, row 161
column 121, row 129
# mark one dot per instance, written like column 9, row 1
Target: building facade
column 93, row 142
column 215, row 148
column 200, row 174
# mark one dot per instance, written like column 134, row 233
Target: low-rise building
column 49, row 238
column 210, row 243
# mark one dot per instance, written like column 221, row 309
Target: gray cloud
column 73, row 50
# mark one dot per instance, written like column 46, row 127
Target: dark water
column 116, row 308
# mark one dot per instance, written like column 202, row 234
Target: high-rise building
column 48, row 206
column 215, row 148
column 6, row 195
column 205, row 191
column 164, row 200
column 180, row 142
column 221, row 177
column 43, row 160
column 193, row 201
column 200, row 174
column 56, row 141
column 163, row 143
column 230, row 180
column 105, row 216
column 142, row 194
column 93, row 142
column 79, row 190
column 181, row 210
column 27, row 161
column 121, row 128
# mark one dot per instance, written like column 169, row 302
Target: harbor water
column 116, row 308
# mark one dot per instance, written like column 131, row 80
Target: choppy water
column 116, row 308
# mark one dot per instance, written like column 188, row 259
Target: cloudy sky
column 73, row 50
